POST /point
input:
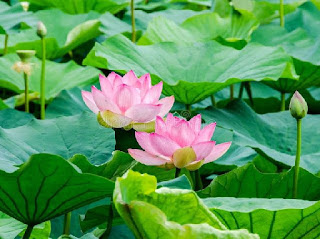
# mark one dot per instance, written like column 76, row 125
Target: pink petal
column 103, row 103
column 217, row 152
column 146, row 158
column 182, row 133
column 163, row 145
column 88, row 100
column 205, row 134
column 153, row 94
column 105, row 85
column 114, row 79
column 130, row 78
column 203, row 149
column 115, row 120
column 195, row 123
column 144, row 141
column 167, row 104
column 145, row 84
column 161, row 127
column 126, row 96
column 143, row 113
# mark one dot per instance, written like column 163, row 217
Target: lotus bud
column 298, row 106
column 41, row 30
column 25, row 6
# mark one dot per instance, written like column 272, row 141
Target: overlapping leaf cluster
column 68, row 163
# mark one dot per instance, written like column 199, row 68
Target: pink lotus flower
column 127, row 101
column 178, row 143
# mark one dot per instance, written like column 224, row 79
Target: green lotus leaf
column 47, row 186
column 11, row 18
column 264, row 10
column 281, row 218
column 175, row 213
column 10, row 118
column 59, row 76
column 83, row 6
column 65, row 32
column 248, row 182
column 300, row 40
column 272, row 135
column 192, row 72
column 201, row 27
column 65, row 136
column 10, row 228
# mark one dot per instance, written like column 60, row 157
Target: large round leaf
column 281, row 218
column 192, row 72
column 65, row 32
column 83, row 6
column 64, row 136
column 300, row 40
column 273, row 135
column 199, row 28
column 12, row 17
column 248, row 182
column 48, row 186
column 59, row 76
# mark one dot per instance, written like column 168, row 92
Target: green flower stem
column 231, row 91
column 247, row 86
column 177, row 172
column 241, row 90
column 42, row 83
column 28, row 232
column 106, row 234
column 26, row 92
column 133, row 22
column 283, row 101
column 5, row 49
column 67, row 223
column 281, row 13
column 198, row 180
column 213, row 101
column 297, row 162
column 188, row 107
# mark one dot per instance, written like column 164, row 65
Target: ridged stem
column 281, row 11
column 106, row 234
column 28, row 232
column 297, row 162
column 176, row 175
column 231, row 92
column 5, row 49
column 26, row 92
column 67, row 224
column 133, row 22
column 283, row 101
column 198, row 181
column 42, row 82
column 213, row 100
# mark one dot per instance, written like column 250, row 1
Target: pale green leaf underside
column 58, row 188
column 59, row 76
column 175, row 213
column 192, row 72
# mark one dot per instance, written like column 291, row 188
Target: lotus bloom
column 127, row 101
column 178, row 143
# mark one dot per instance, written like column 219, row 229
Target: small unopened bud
column 25, row 6
column 26, row 55
column 298, row 106
column 41, row 30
